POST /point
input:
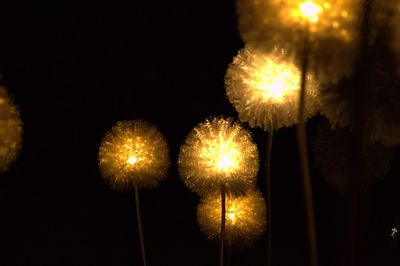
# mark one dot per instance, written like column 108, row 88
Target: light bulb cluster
column 133, row 153
column 10, row 131
column 264, row 89
column 218, row 152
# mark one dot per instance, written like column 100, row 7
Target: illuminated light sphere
column 331, row 27
column 133, row 153
column 218, row 152
column 333, row 152
column 264, row 88
column 245, row 217
column 10, row 131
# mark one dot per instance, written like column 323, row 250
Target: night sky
column 78, row 71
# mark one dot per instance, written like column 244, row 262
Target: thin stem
column 229, row 257
column 304, row 164
column 268, row 196
column 140, row 226
column 221, row 247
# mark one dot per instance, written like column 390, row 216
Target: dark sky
column 76, row 72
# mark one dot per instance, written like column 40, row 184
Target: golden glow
column 10, row 131
column 132, row 160
column 264, row 88
column 274, row 81
column 245, row 216
column 133, row 152
column 265, row 22
column 310, row 10
column 333, row 17
column 231, row 215
column 222, row 155
column 218, row 151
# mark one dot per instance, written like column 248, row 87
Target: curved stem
column 304, row 164
column 221, row 247
column 140, row 226
column 268, row 196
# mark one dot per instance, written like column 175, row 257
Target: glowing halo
column 264, row 89
column 133, row 153
column 10, row 131
column 245, row 217
column 218, row 152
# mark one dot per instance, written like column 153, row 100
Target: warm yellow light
column 264, row 89
column 218, row 151
column 132, row 160
column 133, row 152
column 10, row 131
column 222, row 156
column 231, row 216
column 245, row 217
column 310, row 10
column 274, row 81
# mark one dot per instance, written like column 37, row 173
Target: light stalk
column 303, row 157
column 140, row 225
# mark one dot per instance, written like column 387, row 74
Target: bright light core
column 275, row 81
column 132, row 160
column 310, row 10
column 226, row 161
column 231, row 216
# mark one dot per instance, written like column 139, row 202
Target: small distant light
column 394, row 232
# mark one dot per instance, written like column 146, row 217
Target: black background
column 75, row 71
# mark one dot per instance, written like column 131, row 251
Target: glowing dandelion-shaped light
column 10, row 131
column 264, row 89
column 218, row 152
column 245, row 217
column 331, row 26
column 133, row 153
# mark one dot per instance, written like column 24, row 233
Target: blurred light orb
column 10, row 131
column 218, row 152
column 133, row 153
column 245, row 217
column 331, row 27
column 264, row 89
